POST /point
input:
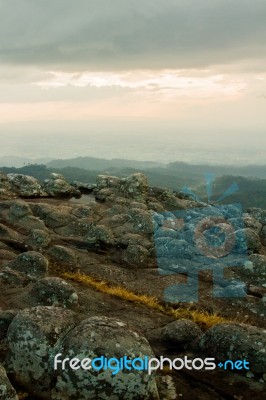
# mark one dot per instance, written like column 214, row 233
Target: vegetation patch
column 203, row 318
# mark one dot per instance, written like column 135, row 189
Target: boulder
column 254, row 269
column 107, row 182
column 25, row 185
column 134, row 186
column 32, row 264
column 236, row 342
column 38, row 239
column 104, row 337
column 32, row 335
column 100, row 233
column 136, row 255
column 181, row 332
column 57, row 186
column 54, row 292
column 62, row 255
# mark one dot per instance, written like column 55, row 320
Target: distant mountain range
column 251, row 180
column 18, row 162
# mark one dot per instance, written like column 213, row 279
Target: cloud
column 167, row 83
column 119, row 34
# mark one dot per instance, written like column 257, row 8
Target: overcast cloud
column 199, row 64
column 119, row 34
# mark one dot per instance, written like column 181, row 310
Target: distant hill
column 251, row 193
column 18, row 162
column 102, row 164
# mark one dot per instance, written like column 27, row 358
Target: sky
column 149, row 78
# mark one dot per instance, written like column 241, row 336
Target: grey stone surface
column 108, row 337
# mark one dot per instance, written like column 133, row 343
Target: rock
column 7, row 392
column 236, row 342
column 255, row 269
column 31, row 336
column 104, row 337
column 6, row 317
column 141, row 221
column 247, row 241
column 57, row 186
column 135, row 254
column 263, row 235
column 181, row 331
column 134, row 186
column 31, row 263
column 4, row 182
column 258, row 214
column 84, row 187
column 252, row 223
column 38, row 239
column 8, row 233
column 25, row 186
column 133, row 239
column 19, row 209
column 14, row 278
column 62, row 255
column 54, row 292
column 100, row 233
column 107, row 182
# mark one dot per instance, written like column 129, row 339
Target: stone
column 32, row 335
column 4, row 182
column 7, row 392
column 54, row 292
column 57, row 186
column 136, row 255
column 25, row 185
column 134, row 186
column 31, row 263
column 38, row 239
column 6, row 317
column 62, row 255
column 104, row 337
column 181, row 331
column 107, row 182
column 254, row 269
column 236, row 342
column 100, row 233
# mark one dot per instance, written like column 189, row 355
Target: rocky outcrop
column 25, row 186
column 136, row 241
column 57, row 186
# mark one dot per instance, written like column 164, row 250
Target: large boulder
column 181, row 332
column 24, row 185
column 32, row 335
column 62, row 255
column 53, row 292
column 110, row 338
column 237, row 342
column 134, row 186
column 32, row 264
column 57, row 186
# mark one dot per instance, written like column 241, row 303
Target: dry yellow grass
column 200, row 317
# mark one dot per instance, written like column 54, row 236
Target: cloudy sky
column 187, row 69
